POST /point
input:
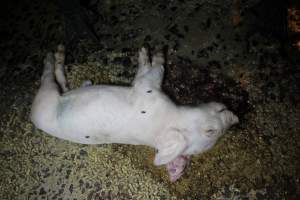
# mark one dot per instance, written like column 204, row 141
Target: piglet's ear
column 170, row 145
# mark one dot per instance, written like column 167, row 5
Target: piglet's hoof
column 176, row 167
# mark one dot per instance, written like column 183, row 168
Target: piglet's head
column 204, row 125
column 199, row 130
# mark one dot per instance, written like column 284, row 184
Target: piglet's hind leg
column 59, row 68
column 44, row 107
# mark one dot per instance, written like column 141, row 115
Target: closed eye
column 223, row 109
column 211, row 131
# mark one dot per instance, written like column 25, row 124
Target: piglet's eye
column 223, row 109
column 210, row 132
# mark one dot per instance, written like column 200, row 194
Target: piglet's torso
column 112, row 114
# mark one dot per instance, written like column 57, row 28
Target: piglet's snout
column 228, row 118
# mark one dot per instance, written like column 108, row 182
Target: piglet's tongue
column 176, row 167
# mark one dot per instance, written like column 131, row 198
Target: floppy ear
column 170, row 145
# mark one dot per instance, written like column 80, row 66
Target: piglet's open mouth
column 176, row 167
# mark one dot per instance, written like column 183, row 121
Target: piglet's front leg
column 176, row 167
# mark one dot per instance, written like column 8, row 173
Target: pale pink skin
column 176, row 167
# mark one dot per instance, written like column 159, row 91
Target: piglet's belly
column 97, row 126
column 100, row 122
column 99, row 114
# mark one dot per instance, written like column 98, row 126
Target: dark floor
column 238, row 54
